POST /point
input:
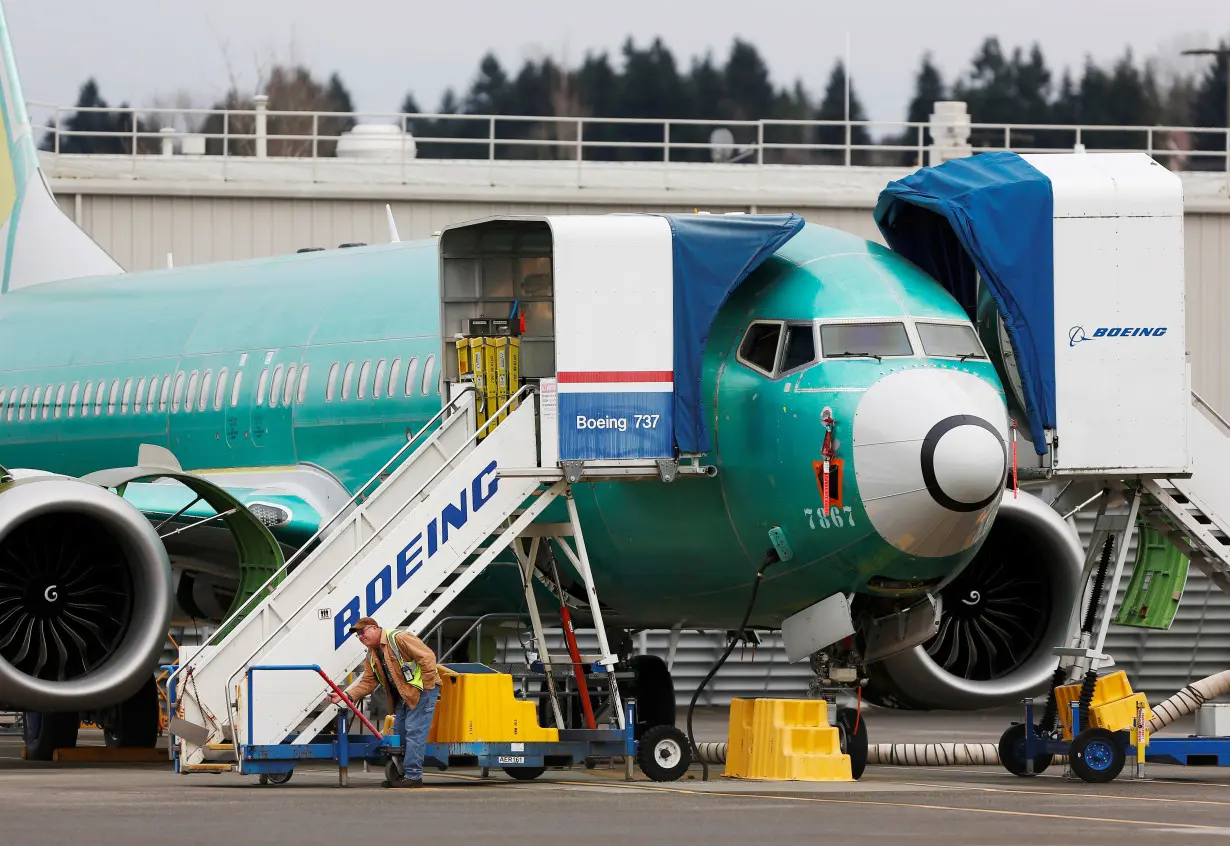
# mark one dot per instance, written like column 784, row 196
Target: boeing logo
column 1077, row 333
column 410, row 559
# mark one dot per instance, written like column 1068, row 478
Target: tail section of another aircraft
column 38, row 242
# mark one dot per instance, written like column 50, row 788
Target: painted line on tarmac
column 983, row 773
column 977, row 788
column 920, row 805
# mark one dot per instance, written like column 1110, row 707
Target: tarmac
column 146, row 803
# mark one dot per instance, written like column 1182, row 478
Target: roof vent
column 376, row 141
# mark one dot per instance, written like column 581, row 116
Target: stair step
column 205, row 768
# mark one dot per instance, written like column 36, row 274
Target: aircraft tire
column 655, row 693
column 133, row 724
column 45, row 732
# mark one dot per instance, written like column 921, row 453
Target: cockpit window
column 955, row 340
column 800, row 346
column 759, row 347
column 864, row 340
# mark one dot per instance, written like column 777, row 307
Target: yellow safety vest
column 416, row 672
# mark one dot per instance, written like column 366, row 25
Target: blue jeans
column 412, row 727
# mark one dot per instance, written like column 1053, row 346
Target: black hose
column 771, row 557
column 1099, row 578
column 1052, row 704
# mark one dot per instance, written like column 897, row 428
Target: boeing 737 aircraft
column 281, row 385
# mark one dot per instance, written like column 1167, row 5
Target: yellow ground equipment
column 784, row 740
column 489, row 355
column 1113, row 706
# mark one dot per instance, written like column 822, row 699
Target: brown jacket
column 412, row 649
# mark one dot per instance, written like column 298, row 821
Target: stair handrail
column 530, row 388
column 1225, row 425
column 324, row 526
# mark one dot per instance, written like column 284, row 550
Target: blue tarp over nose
column 990, row 215
column 713, row 254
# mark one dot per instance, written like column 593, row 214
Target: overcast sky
column 141, row 50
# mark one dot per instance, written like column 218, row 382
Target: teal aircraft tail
column 38, row 242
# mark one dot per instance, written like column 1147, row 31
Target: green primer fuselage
column 661, row 553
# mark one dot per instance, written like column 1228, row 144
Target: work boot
column 402, row 781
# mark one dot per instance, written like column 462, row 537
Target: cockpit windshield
column 864, row 340
column 949, row 340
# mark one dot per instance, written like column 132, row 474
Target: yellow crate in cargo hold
column 784, row 740
column 481, row 707
column 1113, row 706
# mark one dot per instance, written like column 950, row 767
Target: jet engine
column 85, row 596
column 1003, row 615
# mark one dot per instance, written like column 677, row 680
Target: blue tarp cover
column 992, row 213
column 712, row 255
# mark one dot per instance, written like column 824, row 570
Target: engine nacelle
column 1003, row 616
column 85, row 596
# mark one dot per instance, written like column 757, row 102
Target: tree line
column 999, row 86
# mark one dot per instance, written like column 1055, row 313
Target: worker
column 411, row 697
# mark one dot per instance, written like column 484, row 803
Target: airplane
column 261, row 395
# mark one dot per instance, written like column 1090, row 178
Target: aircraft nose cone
column 963, row 462
column 930, row 459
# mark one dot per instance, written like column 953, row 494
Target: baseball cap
column 363, row 623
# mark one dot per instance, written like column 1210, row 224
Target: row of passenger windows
column 778, row 347
column 386, row 381
column 197, row 391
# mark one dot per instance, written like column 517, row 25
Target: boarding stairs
column 433, row 525
column 1194, row 513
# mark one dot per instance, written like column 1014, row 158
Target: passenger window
column 190, row 396
column 275, row 390
column 85, row 400
column 378, row 382
column 166, row 392
column 127, row 395
column 288, row 392
column 152, row 400
column 100, row 391
column 72, row 399
column 114, row 396
column 364, row 372
column 303, row 383
column 3, row 391
column 347, row 379
column 178, row 396
column 25, row 398
column 411, row 370
column 759, row 347
column 206, row 384
column 331, row 387
column 394, row 372
column 864, row 340
column 12, row 404
column 235, row 388
column 38, row 393
column 428, row 367
column 139, row 399
column 800, row 348
column 47, row 401
column 220, row 393
column 59, row 407
column 261, row 384
column 949, row 340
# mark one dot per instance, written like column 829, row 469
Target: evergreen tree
column 833, row 107
column 106, row 132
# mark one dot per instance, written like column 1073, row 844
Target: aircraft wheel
column 853, row 728
column 655, row 694
column 45, row 732
column 133, row 724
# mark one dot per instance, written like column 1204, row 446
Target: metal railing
column 262, row 133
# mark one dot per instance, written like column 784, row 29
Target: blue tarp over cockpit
column 990, row 215
column 712, row 255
